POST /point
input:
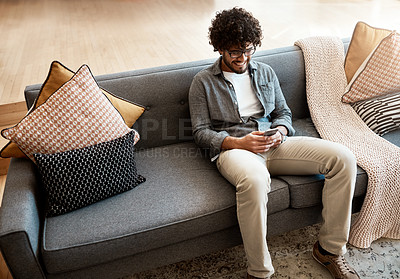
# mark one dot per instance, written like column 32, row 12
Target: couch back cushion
column 164, row 92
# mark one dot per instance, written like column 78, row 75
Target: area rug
column 291, row 257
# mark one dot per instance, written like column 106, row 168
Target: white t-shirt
column 248, row 102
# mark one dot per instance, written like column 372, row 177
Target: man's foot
column 337, row 265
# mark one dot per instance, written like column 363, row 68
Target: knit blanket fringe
column 338, row 122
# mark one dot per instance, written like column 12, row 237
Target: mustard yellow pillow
column 364, row 40
column 58, row 75
column 11, row 149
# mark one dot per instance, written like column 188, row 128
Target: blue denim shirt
column 214, row 109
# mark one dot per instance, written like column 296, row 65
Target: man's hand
column 255, row 142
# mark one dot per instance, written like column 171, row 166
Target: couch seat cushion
column 184, row 197
column 306, row 191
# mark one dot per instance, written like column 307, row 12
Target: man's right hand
column 255, row 142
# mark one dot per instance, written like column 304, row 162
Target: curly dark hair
column 234, row 27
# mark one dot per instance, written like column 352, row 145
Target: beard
column 238, row 67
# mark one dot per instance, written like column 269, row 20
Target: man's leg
column 304, row 155
column 248, row 173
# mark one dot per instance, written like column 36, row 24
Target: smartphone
column 271, row 132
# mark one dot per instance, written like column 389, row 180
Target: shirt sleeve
column 204, row 134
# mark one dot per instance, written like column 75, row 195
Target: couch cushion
column 393, row 137
column 161, row 90
column 306, row 191
column 305, row 127
column 184, row 197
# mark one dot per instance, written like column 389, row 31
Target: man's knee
column 245, row 170
column 346, row 157
column 255, row 182
column 342, row 160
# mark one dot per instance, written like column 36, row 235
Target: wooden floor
column 119, row 35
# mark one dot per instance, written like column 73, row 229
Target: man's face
column 236, row 59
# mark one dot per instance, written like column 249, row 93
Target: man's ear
column 220, row 52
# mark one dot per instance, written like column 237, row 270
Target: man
column 232, row 103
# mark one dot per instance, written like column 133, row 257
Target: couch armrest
column 21, row 220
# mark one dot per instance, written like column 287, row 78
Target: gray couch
column 183, row 210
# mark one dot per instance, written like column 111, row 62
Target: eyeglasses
column 239, row 53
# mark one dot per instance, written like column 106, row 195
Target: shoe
column 252, row 277
column 337, row 265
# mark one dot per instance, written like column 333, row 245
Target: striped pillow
column 379, row 74
column 381, row 114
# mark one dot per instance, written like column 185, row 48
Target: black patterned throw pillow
column 381, row 114
column 77, row 178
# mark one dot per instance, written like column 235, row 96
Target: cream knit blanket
column 338, row 122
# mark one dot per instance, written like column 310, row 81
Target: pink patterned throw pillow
column 77, row 115
column 379, row 74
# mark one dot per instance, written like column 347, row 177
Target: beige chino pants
column 250, row 173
